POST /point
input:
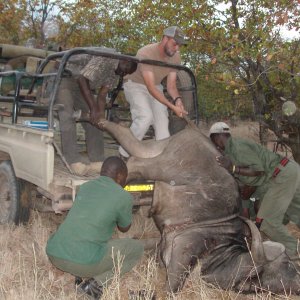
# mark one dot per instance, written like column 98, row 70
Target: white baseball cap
column 219, row 127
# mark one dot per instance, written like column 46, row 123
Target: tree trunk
column 263, row 134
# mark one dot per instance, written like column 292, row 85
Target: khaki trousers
column 126, row 252
column 281, row 204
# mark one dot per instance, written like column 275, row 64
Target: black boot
column 91, row 288
column 78, row 280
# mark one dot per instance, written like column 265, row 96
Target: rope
column 62, row 157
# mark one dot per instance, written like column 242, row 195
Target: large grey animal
column 195, row 207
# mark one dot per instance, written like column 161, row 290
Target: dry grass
column 27, row 274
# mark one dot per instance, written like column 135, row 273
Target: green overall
column 82, row 244
column 281, row 200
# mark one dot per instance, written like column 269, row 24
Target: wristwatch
column 174, row 100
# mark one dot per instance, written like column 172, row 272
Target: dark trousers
column 70, row 96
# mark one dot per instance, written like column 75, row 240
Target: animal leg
column 180, row 253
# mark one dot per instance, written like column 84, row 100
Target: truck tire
column 14, row 196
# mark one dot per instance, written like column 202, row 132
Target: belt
column 283, row 163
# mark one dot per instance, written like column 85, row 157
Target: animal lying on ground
column 196, row 209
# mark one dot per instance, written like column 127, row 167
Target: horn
column 256, row 248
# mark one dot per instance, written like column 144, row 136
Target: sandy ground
column 26, row 272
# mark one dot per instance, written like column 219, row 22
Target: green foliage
column 11, row 15
column 242, row 63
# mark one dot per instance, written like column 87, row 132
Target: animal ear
column 121, row 179
column 273, row 250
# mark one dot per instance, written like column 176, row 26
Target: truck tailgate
column 31, row 152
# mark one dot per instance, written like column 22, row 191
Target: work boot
column 78, row 280
column 94, row 167
column 79, row 168
column 91, row 288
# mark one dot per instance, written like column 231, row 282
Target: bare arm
column 97, row 108
column 101, row 101
column 173, row 91
column 158, row 95
column 245, row 171
column 84, row 86
column 225, row 162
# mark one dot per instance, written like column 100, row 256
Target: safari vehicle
column 33, row 171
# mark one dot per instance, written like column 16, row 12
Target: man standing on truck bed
column 144, row 92
column 89, row 73
column 82, row 244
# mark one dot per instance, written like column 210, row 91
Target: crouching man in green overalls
column 254, row 165
column 82, row 244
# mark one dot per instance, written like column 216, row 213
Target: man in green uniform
column 254, row 165
column 82, row 244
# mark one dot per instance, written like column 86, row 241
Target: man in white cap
column 254, row 165
column 144, row 92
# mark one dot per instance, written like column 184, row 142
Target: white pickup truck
column 33, row 171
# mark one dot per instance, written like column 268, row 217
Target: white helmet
column 219, row 127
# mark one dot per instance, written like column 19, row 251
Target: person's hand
column 179, row 108
column 245, row 212
column 258, row 224
column 225, row 162
column 246, row 191
column 95, row 116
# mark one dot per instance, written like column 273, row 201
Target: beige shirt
column 151, row 52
